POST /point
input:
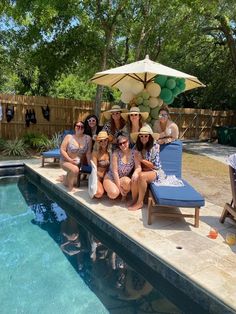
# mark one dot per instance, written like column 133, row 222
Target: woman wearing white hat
column 115, row 122
column 149, row 163
column 134, row 121
column 101, row 159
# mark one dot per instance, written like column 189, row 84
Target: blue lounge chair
column 55, row 153
column 168, row 197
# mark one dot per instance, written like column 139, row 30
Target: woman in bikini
column 101, row 159
column 74, row 148
column 117, row 180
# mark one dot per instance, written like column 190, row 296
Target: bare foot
column 136, row 206
column 61, row 178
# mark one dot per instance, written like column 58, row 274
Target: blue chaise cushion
column 181, row 196
column 54, row 153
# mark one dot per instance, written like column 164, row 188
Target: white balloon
column 126, row 97
column 153, row 89
column 160, row 101
column 125, row 85
column 136, row 87
column 153, row 102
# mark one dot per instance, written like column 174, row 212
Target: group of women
column 125, row 151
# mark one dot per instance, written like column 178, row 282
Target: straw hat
column 102, row 135
column 145, row 130
column 135, row 110
column 107, row 114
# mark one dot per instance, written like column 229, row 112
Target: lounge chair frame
column 230, row 208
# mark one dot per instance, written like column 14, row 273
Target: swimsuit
column 124, row 169
column 73, row 146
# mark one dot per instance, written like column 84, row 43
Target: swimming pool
column 52, row 264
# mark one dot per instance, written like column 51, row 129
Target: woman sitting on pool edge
column 147, row 153
column 74, row 148
column 101, row 159
column 117, row 180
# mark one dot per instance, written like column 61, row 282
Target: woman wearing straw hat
column 101, row 159
column 117, row 180
column 167, row 129
column 149, row 163
column 115, row 122
column 134, row 121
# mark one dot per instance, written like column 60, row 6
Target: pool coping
column 211, row 303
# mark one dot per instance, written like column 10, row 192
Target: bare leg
column 72, row 174
column 100, row 190
column 134, row 191
column 111, row 188
column 143, row 180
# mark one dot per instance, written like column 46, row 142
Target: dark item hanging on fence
column 46, row 113
column 27, row 118
column 33, row 117
column 9, row 113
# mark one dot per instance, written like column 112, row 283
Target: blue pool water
column 51, row 264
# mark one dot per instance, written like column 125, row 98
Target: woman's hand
column 122, row 191
column 134, row 177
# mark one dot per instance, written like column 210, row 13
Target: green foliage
column 15, row 147
column 37, row 141
column 2, row 143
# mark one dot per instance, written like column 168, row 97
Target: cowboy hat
column 102, row 135
column 135, row 110
column 107, row 114
column 145, row 130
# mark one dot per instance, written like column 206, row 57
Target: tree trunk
column 225, row 28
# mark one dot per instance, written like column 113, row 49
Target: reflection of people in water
column 70, row 231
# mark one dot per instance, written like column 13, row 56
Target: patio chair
column 167, row 198
column 54, row 153
column 230, row 209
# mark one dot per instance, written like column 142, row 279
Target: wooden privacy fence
column 193, row 123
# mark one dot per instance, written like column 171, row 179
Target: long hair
column 129, row 124
column 87, row 129
column 113, row 126
column 149, row 145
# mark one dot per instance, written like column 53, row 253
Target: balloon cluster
column 149, row 99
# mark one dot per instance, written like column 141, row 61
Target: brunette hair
column 87, row 129
column 140, row 122
column 164, row 108
column 78, row 122
column 113, row 126
column 149, row 145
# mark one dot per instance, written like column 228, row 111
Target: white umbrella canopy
column 143, row 71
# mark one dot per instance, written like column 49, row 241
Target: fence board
column 193, row 123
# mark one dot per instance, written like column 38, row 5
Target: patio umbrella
column 144, row 71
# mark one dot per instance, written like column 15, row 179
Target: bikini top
column 75, row 147
column 103, row 163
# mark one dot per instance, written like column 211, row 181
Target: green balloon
column 146, row 102
column 166, row 94
column 170, row 101
column 139, row 100
column 161, row 80
column 170, row 83
column 180, row 81
column 145, row 95
column 144, row 108
column 154, row 113
column 176, row 91
column 149, row 119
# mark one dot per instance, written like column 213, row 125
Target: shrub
column 37, row 141
column 15, row 147
column 2, row 143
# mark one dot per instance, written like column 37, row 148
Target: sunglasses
column 134, row 114
column 116, row 113
column 123, row 143
column 79, row 126
column 163, row 115
column 91, row 120
column 144, row 136
column 103, row 141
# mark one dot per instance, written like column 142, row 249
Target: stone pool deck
column 201, row 263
